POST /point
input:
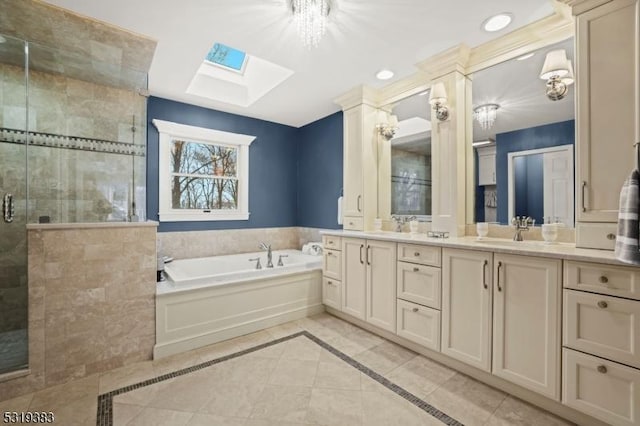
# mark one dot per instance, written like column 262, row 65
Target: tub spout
column 267, row 247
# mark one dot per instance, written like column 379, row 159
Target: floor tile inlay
column 105, row 410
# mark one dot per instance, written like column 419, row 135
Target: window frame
column 169, row 132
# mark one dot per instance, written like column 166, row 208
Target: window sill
column 202, row 217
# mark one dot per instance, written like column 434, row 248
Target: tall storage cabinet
column 360, row 172
column 607, row 116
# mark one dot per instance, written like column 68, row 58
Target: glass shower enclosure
column 72, row 150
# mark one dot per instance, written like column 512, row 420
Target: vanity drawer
column 620, row 281
column 332, row 293
column 332, row 264
column 423, row 255
column 353, row 223
column 602, row 325
column 419, row 324
column 596, row 235
column 331, row 242
column 419, row 284
column 603, row 389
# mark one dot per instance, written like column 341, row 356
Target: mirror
column 404, row 169
column 523, row 140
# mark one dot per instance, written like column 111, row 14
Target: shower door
column 13, row 195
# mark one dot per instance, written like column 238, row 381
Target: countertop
column 566, row 251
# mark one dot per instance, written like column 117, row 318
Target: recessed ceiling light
column 384, row 74
column 497, row 22
column 523, row 57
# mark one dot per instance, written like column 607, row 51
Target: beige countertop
column 567, row 251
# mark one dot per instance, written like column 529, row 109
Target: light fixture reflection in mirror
column 404, row 169
column 526, row 121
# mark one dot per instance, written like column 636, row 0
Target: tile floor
column 294, row 382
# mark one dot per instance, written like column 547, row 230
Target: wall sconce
column 387, row 124
column 558, row 71
column 438, row 101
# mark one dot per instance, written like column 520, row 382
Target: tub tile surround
column 91, row 302
column 335, row 385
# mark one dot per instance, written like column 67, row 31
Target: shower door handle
column 8, row 209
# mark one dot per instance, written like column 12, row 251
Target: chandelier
column 311, row 20
column 486, row 115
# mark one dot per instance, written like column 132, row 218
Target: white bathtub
column 211, row 299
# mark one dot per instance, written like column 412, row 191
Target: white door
column 353, row 277
column 466, row 306
column 526, row 322
column 558, row 186
column 352, row 181
column 381, row 284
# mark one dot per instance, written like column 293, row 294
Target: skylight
column 227, row 57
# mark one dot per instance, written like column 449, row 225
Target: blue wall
column 555, row 134
column 320, row 172
column 529, row 172
column 279, row 158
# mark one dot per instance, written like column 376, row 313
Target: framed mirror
column 523, row 137
column 404, row 158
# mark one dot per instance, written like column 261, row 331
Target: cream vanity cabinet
column 369, row 281
column 360, row 190
column 607, row 116
column 332, row 272
column 601, row 339
column 487, row 165
column 520, row 342
column 419, row 294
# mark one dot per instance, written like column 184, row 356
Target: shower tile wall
column 75, row 185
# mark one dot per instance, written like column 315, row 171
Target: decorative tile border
column 105, row 401
column 52, row 140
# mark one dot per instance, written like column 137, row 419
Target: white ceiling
column 362, row 37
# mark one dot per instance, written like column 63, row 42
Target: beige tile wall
column 91, row 303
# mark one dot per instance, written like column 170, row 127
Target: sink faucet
column 521, row 223
column 267, row 247
column 399, row 221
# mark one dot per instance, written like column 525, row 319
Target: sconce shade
column 382, row 117
column 438, row 94
column 555, row 64
column 393, row 120
column 569, row 78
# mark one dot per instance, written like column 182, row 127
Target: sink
column 511, row 243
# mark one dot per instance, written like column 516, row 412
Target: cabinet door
column 381, row 284
column 606, row 67
column 487, row 169
column 332, row 293
column 419, row 324
column 353, row 277
column 526, row 322
column 353, row 179
column 466, row 306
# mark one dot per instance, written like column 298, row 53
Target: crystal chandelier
column 486, row 115
column 311, row 20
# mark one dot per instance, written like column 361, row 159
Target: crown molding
column 550, row 30
column 581, row 6
column 450, row 60
column 416, row 83
column 359, row 95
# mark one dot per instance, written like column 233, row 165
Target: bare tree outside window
column 204, row 176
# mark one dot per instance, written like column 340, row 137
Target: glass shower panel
column 88, row 138
column 13, row 196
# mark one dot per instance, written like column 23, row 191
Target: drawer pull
column 602, row 304
column 611, row 236
column 416, row 269
column 329, row 253
column 602, row 369
column 330, row 242
column 416, row 254
column 351, row 223
column 498, row 277
column 330, row 282
column 415, row 309
column 603, row 279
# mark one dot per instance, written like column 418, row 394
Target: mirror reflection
column 405, row 160
column 523, row 135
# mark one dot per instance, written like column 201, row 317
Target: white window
column 204, row 173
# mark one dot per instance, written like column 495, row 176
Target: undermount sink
column 511, row 243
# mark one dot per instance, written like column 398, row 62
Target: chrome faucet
column 521, row 223
column 267, row 247
column 398, row 221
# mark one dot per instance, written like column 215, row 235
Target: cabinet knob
column 603, row 279
column 416, row 269
column 611, row 236
column 602, row 304
column 415, row 309
column 330, row 282
column 351, row 223
column 329, row 253
column 416, row 253
column 602, row 369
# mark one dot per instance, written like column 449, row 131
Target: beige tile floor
column 295, row 382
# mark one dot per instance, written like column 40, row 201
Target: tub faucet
column 267, row 247
column 258, row 265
